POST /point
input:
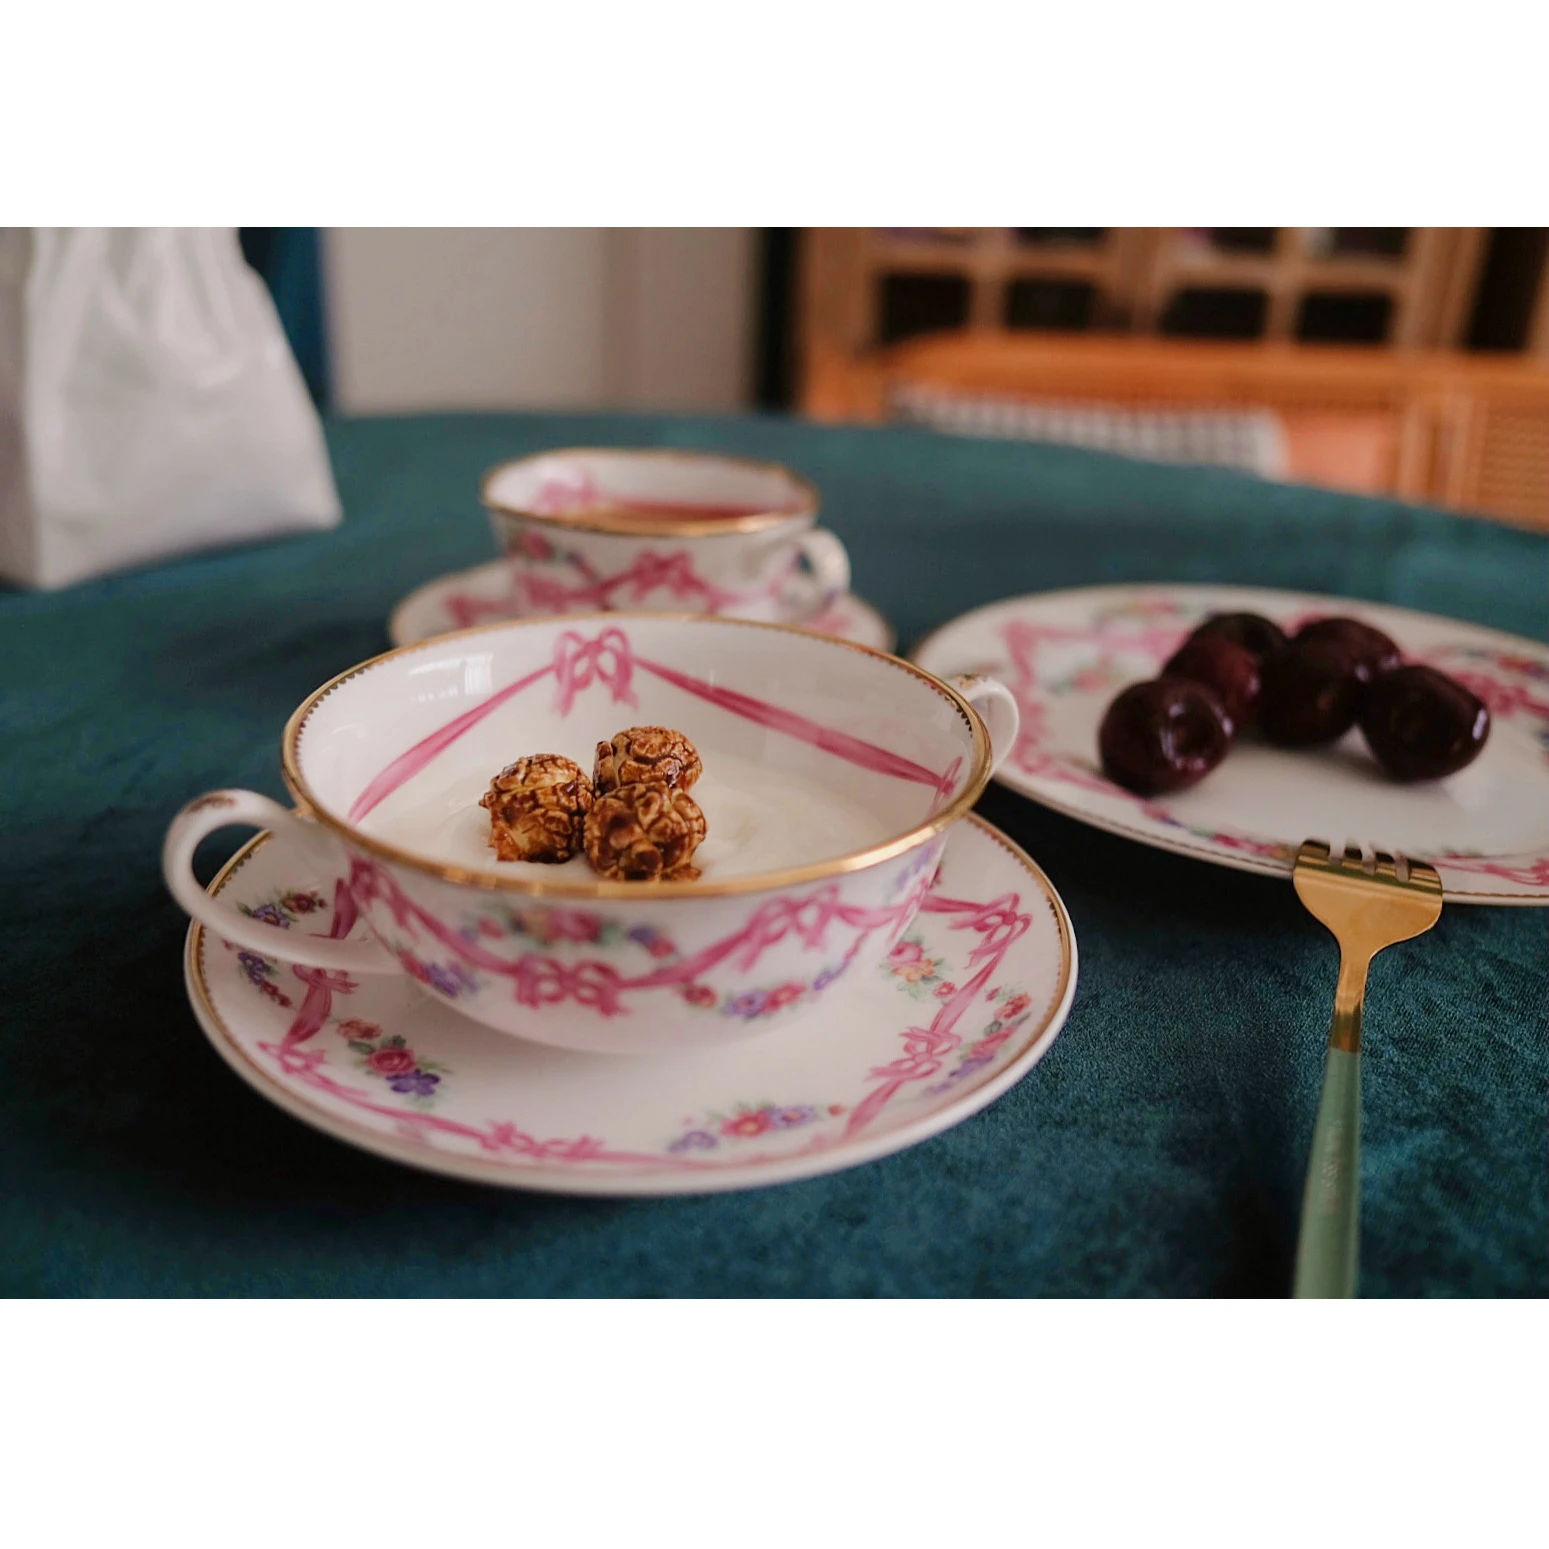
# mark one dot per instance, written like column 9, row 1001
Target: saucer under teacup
column 488, row 594
column 962, row 1008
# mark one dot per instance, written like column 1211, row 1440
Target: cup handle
column 998, row 707
column 219, row 809
column 830, row 578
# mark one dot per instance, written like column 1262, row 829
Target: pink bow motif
column 674, row 573
column 545, row 981
column 579, row 662
column 322, row 985
column 294, row 1061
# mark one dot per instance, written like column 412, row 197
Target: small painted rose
column 748, row 1004
column 699, row 994
column 746, row 1125
column 359, row 1029
column 792, row 1118
column 391, row 1062
column 694, row 1140
column 415, row 1083
column 782, row 996
column 573, row 925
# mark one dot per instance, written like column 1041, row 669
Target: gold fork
column 1368, row 905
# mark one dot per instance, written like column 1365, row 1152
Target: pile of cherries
column 1239, row 671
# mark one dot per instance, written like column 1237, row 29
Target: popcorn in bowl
column 537, row 808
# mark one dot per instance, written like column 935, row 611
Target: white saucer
column 1066, row 654
column 968, row 1001
column 484, row 595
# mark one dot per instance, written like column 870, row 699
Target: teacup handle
column 997, row 706
column 220, row 809
column 830, row 578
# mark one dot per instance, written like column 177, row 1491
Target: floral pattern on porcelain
column 750, row 1121
column 1015, row 1006
column 916, row 972
column 378, row 1053
column 388, row 1057
column 261, row 972
column 286, row 907
column 605, row 962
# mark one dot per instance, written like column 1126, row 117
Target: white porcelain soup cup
column 680, row 532
column 831, row 775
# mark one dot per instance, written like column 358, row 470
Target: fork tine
column 1355, row 857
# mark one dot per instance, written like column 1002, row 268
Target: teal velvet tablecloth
column 1159, row 1148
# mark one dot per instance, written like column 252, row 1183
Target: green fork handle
column 1328, row 1251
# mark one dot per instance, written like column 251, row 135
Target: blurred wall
column 585, row 317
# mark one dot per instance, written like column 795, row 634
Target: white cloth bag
column 149, row 403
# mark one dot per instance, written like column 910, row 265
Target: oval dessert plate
column 963, row 1007
column 1066, row 654
column 486, row 595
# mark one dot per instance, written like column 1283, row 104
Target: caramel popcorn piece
column 652, row 754
column 645, row 832
column 537, row 809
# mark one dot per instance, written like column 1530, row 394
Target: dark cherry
column 1310, row 695
column 1258, row 635
column 1162, row 736
column 1370, row 651
column 1421, row 724
column 1229, row 670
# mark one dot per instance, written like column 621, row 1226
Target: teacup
column 678, row 532
column 832, row 774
